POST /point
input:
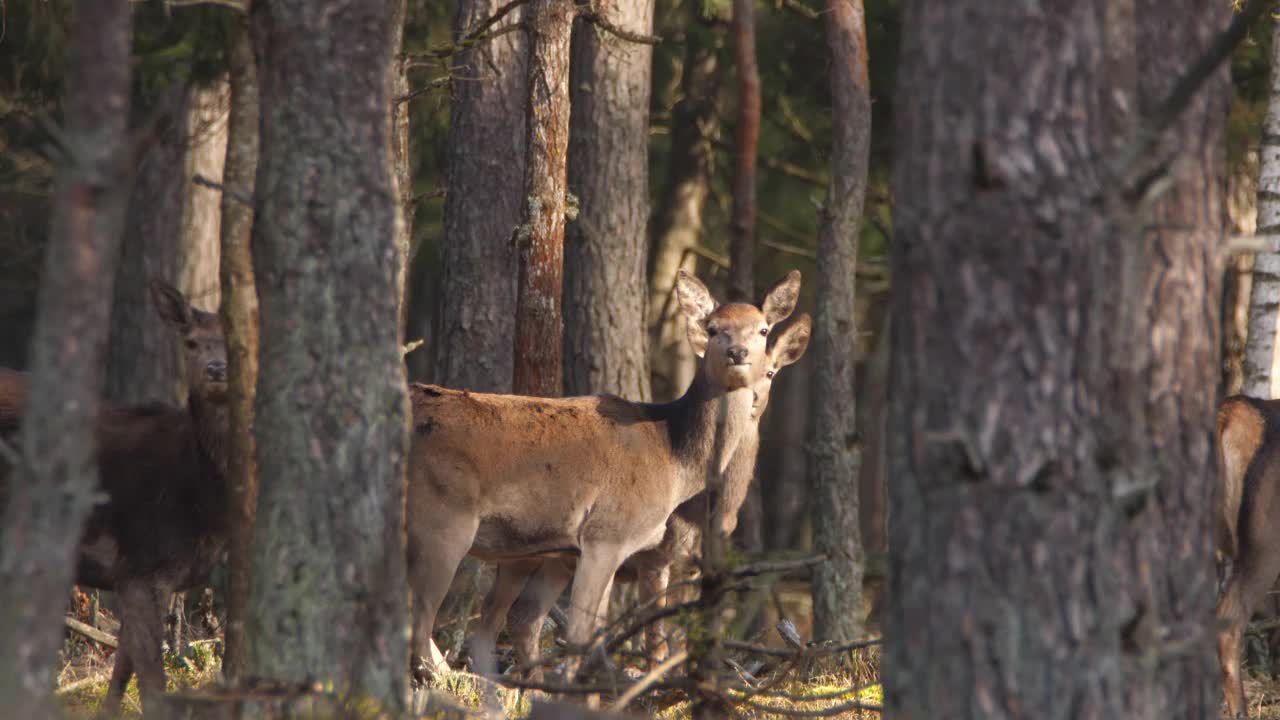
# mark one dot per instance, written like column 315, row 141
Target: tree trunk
column 401, row 151
column 1264, row 297
column 873, row 474
column 53, row 489
column 483, row 202
column 540, row 237
column 834, row 453
column 605, row 249
column 677, row 221
column 746, row 140
column 240, row 321
column 1054, row 375
column 328, row 594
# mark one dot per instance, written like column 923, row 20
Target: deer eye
column 712, row 330
column 764, row 331
column 191, row 344
column 769, row 374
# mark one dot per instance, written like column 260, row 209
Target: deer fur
column 1248, row 529
column 161, row 526
column 507, row 478
column 539, row 583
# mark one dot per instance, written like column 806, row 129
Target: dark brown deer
column 508, row 478
column 161, row 526
column 548, row 579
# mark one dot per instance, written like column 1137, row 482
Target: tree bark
column 53, row 489
column 540, row 237
column 1054, row 371
column 240, row 321
column 1264, row 297
column 746, row 141
column 485, row 175
column 834, row 452
column 606, row 247
column 328, row 592
column 402, row 153
column 677, row 220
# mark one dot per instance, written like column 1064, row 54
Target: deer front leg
column 143, row 606
column 589, row 598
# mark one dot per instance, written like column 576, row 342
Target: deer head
column 788, row 346
column 732, row 338
column 203, row 343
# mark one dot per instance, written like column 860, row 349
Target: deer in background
column 508, row 478
column 161, row 527
column 652, row 567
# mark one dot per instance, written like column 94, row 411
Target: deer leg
column 143, row 606
column 654, row 581
column 436, row 546
column 590, row 596
column 120, row 674
column 526, row 617
column 1255, row 573
column 508, row 583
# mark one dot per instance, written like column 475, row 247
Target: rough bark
column 401, row 150
column 746, row 141
column 239, row 312
column 834, row 452
column 53, row 488
column 606, row 247
column 677, row 220
column 540, row 237
column 1053, row 371
column 485, row 175
column 1264, row 296
column 328, row 592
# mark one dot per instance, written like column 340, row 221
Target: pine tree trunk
column 746, row 141
column 400, row 147
column 240, row 320
column 485, row 160
column 834, row 453
column 328, row 594
column 1264, row 297
column 1054, row 377
column 54, row 487
column 540, row 238
column 677, row 220
column 605, row 248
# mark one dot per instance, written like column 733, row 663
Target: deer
column 525, row 606
column 162, row 525
column 1247, row 535
column 507, row 478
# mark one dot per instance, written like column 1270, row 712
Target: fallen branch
column 648, row 681
column 83, row 682
column 823, row 712
column 91, row 632
column 809, row 650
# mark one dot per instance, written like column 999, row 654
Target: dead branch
column 812, row 650
column 593, row 16
column 822, row 712
column 412, row 345
column 94, row 679
column 774, row 566
column 91, row 632
column 648, row 681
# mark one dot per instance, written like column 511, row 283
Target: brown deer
column 161, row 527
column 507, row 478
column 1247, row 531
column 652, row 567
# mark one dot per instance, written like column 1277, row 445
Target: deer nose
column 216, row 371
column 738, row 354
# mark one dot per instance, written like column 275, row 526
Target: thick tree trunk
column 1054, row 373
column 834, row 453
column 1264, row 297
column 746, row 141
column 605, row 248
column 677, row 221
column 485, row 176
column 540, row 237
column 328, row 592
column 53, row 489
column 240, row 321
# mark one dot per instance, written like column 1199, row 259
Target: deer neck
column 212, row 421
column 697, row 422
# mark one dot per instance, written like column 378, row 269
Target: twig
column 648, row 681
column 411, row 346
column 593, row 16
column 92, row 633
column 773, row 566
column 236, row 195
column 810, row 650
column 823, row 712
column 430, row 195
column 477, row 35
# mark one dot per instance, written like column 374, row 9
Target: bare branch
column 648, row 681
column 589, row 13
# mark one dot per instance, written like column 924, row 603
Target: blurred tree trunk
column 834, row 453
column 328, row 596
column 540, row 237
column 1054, row 378
column 782, row 464
column 484, row 181
column 605, row 248
column 873, row 473
column 1260, row 355
column 401, row 151
column 240, row 320
column 53, row 489
column 677, row 220
column 171, row 233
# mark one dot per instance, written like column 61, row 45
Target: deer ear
column 781, row 299
column 171, row 305
column 696, row 304
column 793, row 341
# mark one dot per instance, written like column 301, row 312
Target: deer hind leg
column 121, row 674
column 142, row 613
column 530, row 611
column 436, row 546
column 508, row 583
column 1255, row 572
column 655, row 581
